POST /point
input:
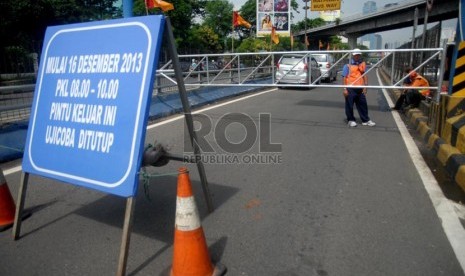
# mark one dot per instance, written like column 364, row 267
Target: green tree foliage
column 23, row 22
column 182, row 17
column 248, row 11
column 294, row 8
column 204, row 39
column 311, row 23
column 252, row 45
column 198, row 25
column 264, row 44
column 219, row 16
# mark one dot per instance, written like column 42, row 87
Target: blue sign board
column 92, row 96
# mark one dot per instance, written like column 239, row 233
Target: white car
column 297, row 69
column 326, row 61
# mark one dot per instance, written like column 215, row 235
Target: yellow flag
column 274, row 35
column 163, row 5
column 238, row 20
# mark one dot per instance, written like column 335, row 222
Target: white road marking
column 450, row 221
column 211, row 107
column 178, row 117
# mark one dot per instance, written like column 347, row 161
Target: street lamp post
column 305, row 23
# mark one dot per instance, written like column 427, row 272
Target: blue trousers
column 358, row 98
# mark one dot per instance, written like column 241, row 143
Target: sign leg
column 127, row 228
column 187, row 112
column 20, row 205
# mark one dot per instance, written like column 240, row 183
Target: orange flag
column 274, row 35
column 164, row 6
column 238, row 20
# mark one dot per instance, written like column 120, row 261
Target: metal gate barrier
column 261, row 69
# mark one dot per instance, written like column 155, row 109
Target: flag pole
column 232, row 41
column 232, row 34
column 271, row 41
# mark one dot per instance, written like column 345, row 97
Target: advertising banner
column 330, row 16
column 273, row 13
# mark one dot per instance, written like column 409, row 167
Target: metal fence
column 15, row 103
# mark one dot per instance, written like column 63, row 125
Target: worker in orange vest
column 411, row 98
column 352, row 76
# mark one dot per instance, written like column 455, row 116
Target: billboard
column 273, row 13
column 330, row 16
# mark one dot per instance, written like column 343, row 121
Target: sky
column 353, row 7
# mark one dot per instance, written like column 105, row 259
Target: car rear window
column 291, row 60
column 321, row 58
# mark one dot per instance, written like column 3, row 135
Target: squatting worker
column 352, row 76
column 411, row 98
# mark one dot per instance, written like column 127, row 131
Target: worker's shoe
column 369, row 123
column 352, row 124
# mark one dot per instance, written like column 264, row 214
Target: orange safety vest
column 421, row 81
column 355, row 72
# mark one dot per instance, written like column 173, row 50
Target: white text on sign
column 68, row 118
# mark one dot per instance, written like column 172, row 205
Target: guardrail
column 15, row 103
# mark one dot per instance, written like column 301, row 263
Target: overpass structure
column 392, row 18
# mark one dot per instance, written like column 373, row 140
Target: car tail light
column 277, row 65
column 328, row 65
column 305, row 66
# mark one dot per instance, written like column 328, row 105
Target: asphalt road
column 341, row 201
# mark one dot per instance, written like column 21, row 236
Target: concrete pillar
column 352, row 40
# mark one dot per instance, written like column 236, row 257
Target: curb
column 449, row 156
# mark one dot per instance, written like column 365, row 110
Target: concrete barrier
column 441, row 126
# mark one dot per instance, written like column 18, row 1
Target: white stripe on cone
column 187, row 215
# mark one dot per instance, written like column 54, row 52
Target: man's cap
column 356, row 52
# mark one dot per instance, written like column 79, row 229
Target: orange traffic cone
column 190, row 256
column 7, row 205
